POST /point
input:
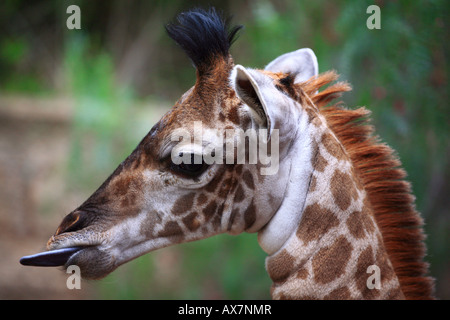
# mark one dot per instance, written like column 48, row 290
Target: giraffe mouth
column 51, row 258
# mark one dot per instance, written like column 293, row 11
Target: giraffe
column 336, row 206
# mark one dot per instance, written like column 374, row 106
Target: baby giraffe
column 247, row 150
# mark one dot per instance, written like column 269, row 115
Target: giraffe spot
column 221, row 117
column 280, row 266
column 225, row 188
column 191, row 221
column 320, row 162
column 365, row 260
column 360, row 223
column 233, row 115
column 201, row 199
column 313, row 184
column 314, row 151
column 316, row 221
column 332, row 146
column 343, row 189
column 342, row 293
column 248, row 179
column 238, row 168
column 240, row 195
column 330, row 262
column 250, row 215
column 355, row 226
column 210, row 210
column 183, row 204
column 171, row 229
column 212, row 186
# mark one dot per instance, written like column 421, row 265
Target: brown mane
column 380, row 171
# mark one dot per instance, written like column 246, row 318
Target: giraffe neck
column 333, row 242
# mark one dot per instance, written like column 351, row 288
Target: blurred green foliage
column 100, row 114
column 122, row 56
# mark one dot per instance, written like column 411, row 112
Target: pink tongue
column 52, row 258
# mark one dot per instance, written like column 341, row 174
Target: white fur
column 302, row 63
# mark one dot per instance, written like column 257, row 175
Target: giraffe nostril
column 72, row 222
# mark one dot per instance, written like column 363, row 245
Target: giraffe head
column 195, row 174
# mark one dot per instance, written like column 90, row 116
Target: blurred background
column 75, row 103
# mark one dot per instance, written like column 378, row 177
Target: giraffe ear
column 250, row 88
column 301, row 63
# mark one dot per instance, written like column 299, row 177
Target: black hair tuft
column 203, row 35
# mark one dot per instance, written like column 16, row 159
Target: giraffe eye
column 192, row 168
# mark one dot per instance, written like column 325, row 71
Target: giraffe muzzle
column 52, row 258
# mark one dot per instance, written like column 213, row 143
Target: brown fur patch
column 332, row 146
column 342, row 293
column 248, row 179
column 316, row 221
column 128, row 200
column 225, row 187
column 343, row 189
column 365, row 260
column 330, row 262
column 233, row 115
column 212, row 186
column 210, row 210
column 280, row 266
column 171, row 229
column 183, row 204
column 320, row 162
column 191, row 221
column 240, row 195
column 121, row 185
column 201, row 199
column 250, row 215
column 313, row 184
column 360, row 224
column 354, row 225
